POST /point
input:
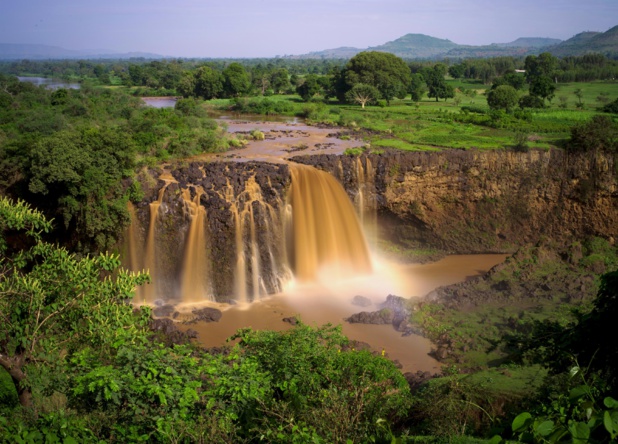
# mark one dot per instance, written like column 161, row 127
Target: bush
column 531, row 102
column 599, row 133
column 521, row 142
column 611, row 107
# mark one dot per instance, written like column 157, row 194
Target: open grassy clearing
column 465, row 122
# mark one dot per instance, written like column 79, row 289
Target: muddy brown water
column 283, row 139
column 330, row 301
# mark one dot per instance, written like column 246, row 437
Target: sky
column 269, row 28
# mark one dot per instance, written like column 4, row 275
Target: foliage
column 362, row 94
column 598, row 134
column 386, row 72
column 438, row 88
column 417, row 87
column 52, row 303
column 521, row 142
column 579, row 417
column 309, row 87
column 339, row 393
column 531, row 101
column 502, row 97
column 611, row 107
column 79, row 175
column 543, row 87
column 236, row 80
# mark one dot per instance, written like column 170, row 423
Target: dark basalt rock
column 170, row 332
column 292, row 320
column 416, row 380
column 164, row 311
column 393, row 311
column 384, row 316
column 207, row 314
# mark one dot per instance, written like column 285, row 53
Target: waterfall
column 196, row 264
column 234, row 233
column 324, row 232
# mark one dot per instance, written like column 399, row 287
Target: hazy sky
column 266, row 28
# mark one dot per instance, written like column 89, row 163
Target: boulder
column 206, row 314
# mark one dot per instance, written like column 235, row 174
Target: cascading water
column 195, row 268
column 323, row 229
column 148, row 293
column 252, row 241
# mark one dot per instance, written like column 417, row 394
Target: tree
column 186, row 85
column 438, row 88
column 513, row 79
column 208, row 83
column 417, row 87
column 384, row 71
column 362, row 94
column 543, row 65
column 579, row 93
column 309, row 87
column 503, row 97
column 457, row 71
column 543, row 87
column 280, row 80
column 52, row 304
column 529, row 101
column 80, row 174
column 236, row 80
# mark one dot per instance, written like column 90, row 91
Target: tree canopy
column 386, row 72
column 502, row 97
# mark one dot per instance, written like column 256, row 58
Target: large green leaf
column 578, row 392
column 610, row 403
column 545, row 428
column 521, row 421
column 580, row 432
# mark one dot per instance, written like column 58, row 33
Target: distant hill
column 531, row 42
column 11, row 51
column 417, row 46
column 587, row 42
column 421, row 46
column 345, row 52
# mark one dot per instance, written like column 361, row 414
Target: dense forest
column 79, row 363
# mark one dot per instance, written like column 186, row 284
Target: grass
column 463, row 123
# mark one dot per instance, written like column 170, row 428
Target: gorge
column 213, row 231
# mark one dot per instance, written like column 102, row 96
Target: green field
column 465, row 122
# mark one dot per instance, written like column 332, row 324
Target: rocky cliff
column 484, row 201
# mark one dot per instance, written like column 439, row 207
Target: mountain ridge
column 20, row 51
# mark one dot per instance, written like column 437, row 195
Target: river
column 49, row 83
column 330, row 301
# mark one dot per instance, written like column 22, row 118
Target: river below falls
column 330, row 301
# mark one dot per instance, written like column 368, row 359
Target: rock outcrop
column 484, row 201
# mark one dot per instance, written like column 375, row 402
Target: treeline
column 156, row 73
column 168, row 74
column 584, row 68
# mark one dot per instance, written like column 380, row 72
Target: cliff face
column 484, row 201
column 457, row 201
column 241, row 204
